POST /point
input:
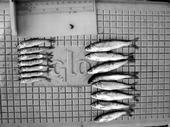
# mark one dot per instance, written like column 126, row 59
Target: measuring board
column 44, row 104
column 56, row 18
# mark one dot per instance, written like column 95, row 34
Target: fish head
column 90, row 71
column 97, row 84
column 94, row 95
column 97, row 105
column 88, row 48
column 94, row 104
column 88, row 56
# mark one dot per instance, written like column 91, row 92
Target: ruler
column 59, row 6
column 56, row 18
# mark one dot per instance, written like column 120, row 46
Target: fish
column 107, row 56
column 38, row 67
column 113, row 85
column 33, row 74
column 108, row 45
column 112, row 115
column 111, row 105
column 35, row 49
column 34, row 79
column 34, row 62
column 112, row 76
column 35, row 56
column 114, row 95
column 34, row 42
column 108, row 66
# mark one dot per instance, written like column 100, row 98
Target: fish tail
column 136, row 97
column 135, row 46
column 49, row 60
column 134, row 75
column 133, row 43
column 136, row 39
column 129, row 111
column 48, row 79
column 131, row 58
column 49, row 53
column 133, row 85
column 51, row 66
column 131, row 106
column 52, row 39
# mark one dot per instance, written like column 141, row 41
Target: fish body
column 108, row 45
column 33, row 42
column 108, row 66
column 37, row 67
column 112, row 115
column 34, row 62
column 33, row 74
column 34, row 56
column 35, row 49
column 108, row 105
column 34, row 79
column 113, row 85
column 110, row 76
column 113, row 96
column 106, row 56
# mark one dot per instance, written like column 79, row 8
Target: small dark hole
column 71, row 26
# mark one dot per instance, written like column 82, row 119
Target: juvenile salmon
column 112, row 115
column 34, row 62
column 111, row 105
column 113, row 85
column 33, row 74
column 34, row 42
column 35, row 49
column 107, row 56
column 108, row 66
column 111, row 76
column 35, row 56
column 113, row 96
column 107, row 45
column 34, row 79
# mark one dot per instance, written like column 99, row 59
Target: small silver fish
column 34, row 79
column 113, row 96
column 38, row 67
column 107, row 45
column 112, row 115
column 35, row 56
column 34, row 62
column 35, row 49
column 113, row 85
column 108, row 66
column 111, row 76
column 107, row 56
column 34, row 42
column 33, row 74
column 108, row 105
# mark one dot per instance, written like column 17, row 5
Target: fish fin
column 136, row 97
column 47, row 78
column 131, row 106
column 49, row 60
column 129, row 112
column 135, row 46
column 49, row 53
column 134, row 74
column 133, row 85
column 136, row 39
column 91, row 79
column 131, row 58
